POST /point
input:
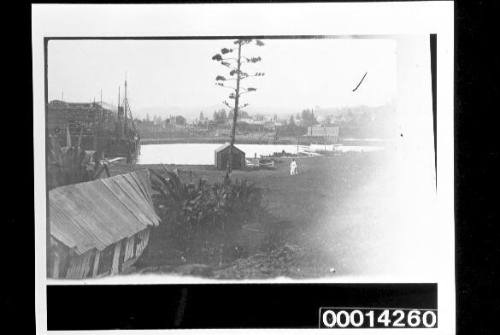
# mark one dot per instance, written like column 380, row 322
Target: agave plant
column 71, row 164
column 197, row 217
column 204, row 205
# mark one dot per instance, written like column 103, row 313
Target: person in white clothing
column 293, row 168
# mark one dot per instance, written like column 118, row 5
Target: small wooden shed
column 100, row 227
column 222, row 157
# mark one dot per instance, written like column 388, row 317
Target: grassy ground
column 311, row 212
column 351, row 214
column 322, row 181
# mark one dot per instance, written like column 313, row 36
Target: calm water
column 204, row 153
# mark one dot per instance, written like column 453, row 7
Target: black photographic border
column 476, row 162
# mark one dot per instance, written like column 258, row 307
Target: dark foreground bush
column 188, row 210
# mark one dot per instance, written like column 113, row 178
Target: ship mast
column 119, row 117
column 125, row 107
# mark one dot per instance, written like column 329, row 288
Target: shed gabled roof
column 225, row 146
column 99, row 213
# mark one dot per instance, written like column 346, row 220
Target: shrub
column 203, row 206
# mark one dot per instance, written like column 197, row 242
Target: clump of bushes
column 202, row 207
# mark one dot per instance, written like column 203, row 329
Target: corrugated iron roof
column 226, row 145
column 99, row 213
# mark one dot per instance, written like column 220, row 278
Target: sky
column 299, row 74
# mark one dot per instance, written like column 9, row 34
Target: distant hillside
column 356, row 110
column 363, row 121
column 188, row 112
column 191, row 113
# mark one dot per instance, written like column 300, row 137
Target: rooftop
column 99, row 213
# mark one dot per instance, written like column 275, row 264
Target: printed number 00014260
column 377, row 318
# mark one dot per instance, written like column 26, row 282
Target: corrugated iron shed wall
column 99, row 213
column 222, row 157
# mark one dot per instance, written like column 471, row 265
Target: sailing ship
column 108, row 131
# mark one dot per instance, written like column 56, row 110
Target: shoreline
column 283, row 141
column 121, row 168
column 212, row 140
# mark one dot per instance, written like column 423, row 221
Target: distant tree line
column 360, row 121
column 221, row 116
column 295, row 128
column 363, row 121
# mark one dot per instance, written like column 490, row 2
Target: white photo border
column 156, row 20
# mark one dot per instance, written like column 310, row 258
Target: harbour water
column 203, row 153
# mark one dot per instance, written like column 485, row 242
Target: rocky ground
column 289, row 260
